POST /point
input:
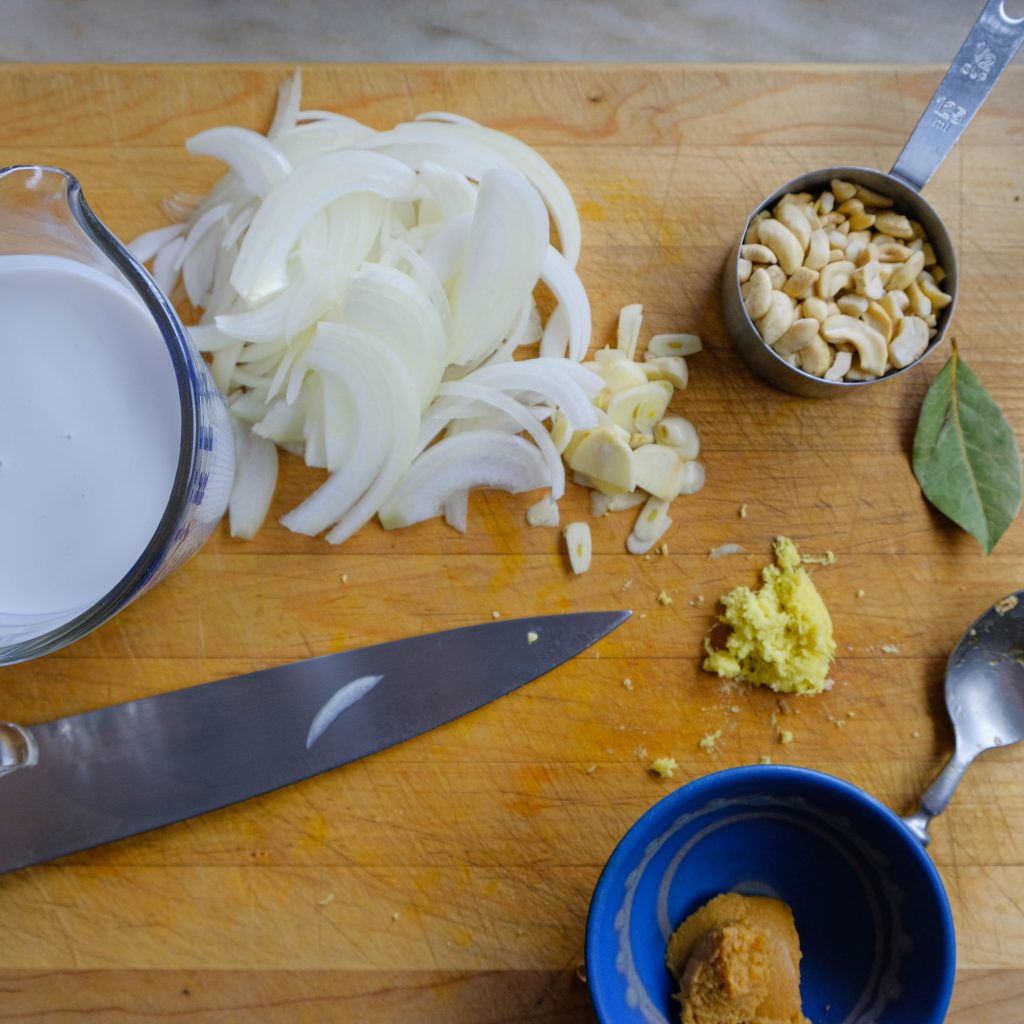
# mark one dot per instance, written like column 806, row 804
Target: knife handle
column 18, row 748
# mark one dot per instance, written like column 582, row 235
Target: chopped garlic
column 743, row 511
column 673, row 345
column 664, row 599
column 627, row 683
column 630, row 319
column 543, row 512
column 785, row 737
column 889, row 648
column 577, row 540
column 531, row 637
column 495, row 615
column 708, row 741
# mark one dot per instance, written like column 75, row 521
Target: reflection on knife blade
column 346, row 696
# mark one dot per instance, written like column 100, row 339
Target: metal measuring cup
column 988, row 49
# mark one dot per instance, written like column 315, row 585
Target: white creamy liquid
column 89, row 435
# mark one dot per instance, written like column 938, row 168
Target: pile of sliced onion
column 365, row 300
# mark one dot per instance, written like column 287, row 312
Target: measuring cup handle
column 988, row 49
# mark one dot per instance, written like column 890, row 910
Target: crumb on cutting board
column 664, row 767
column 708, row 740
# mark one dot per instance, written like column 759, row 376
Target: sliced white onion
column 508, row 239
column 523, row 419
column 363, row 292
column 526, row 160
column 463, row 462
column 255, row 480
column 259, row 164
column 557, row 273
column 164, row 271
column 149, row 243
column 289, row 99
column 260, row 270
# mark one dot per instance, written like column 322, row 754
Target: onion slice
column 259, row 164
column 260, row 270
column 462, row 462
column 255, row 480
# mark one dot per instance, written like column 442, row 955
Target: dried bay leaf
column 966, row 457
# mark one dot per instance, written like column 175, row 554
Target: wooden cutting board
column 448, row 880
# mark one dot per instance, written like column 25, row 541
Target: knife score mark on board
column 340, row 701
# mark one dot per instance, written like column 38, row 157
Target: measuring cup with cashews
column 852, row 280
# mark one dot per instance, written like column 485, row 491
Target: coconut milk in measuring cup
column 116, row 454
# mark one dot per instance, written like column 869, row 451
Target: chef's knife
column 93, row 778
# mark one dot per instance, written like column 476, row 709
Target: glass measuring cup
column 43, row 215
column 985, row 54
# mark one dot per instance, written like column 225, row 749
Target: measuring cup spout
column 990, row 46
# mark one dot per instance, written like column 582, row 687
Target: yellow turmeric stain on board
column 781, row 633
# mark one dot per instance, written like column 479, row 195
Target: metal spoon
column 985, row 699
column 988, row 49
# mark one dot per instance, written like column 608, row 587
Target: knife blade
column 128, row 768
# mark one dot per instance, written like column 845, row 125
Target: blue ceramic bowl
column 873, row 918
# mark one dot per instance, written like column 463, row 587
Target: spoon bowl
column 984, row 697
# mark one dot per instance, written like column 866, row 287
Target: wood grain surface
column 447, row 880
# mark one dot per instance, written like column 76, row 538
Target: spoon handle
column 937, row 795
column 989, row 47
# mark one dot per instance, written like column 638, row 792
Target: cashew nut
column 816, row 358
column 842, row 190
column 800, row 283
column 782, row 242
column 876, row 316
column 910, row 341
column 868, row 342
column 793, row 216
column 893, row 252
column 871, row 198
column 840, row 365
column 844, row 271
column 800, row 334
column 757, row 253
column 939, row 299
column 758, row 294
column 814, row 307
column 833, row 277
column 894, row 304
column 817, row 249
column 906, row 273
column 751, row 235
column 895, row 224
column 866, row 281
column 774, row 324
column 852, row 305
column 920, row 304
